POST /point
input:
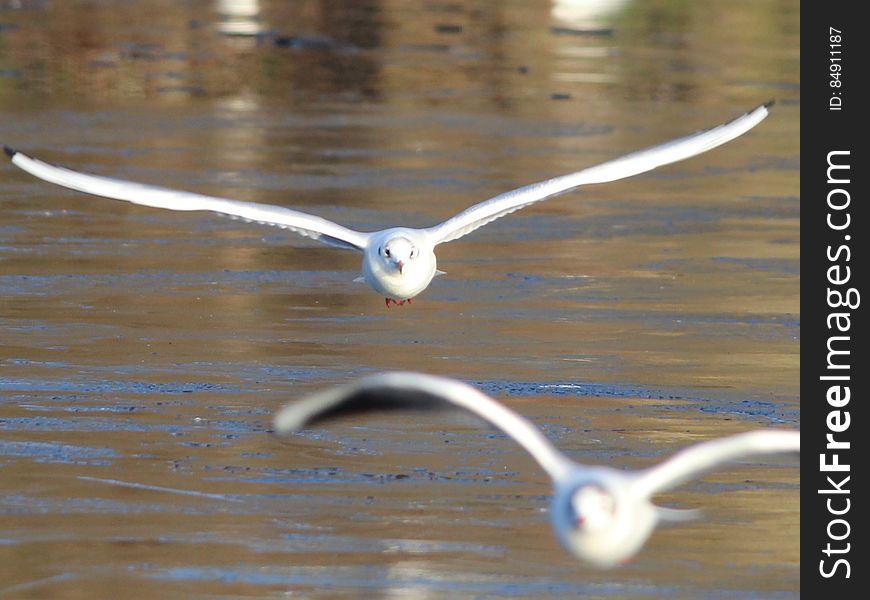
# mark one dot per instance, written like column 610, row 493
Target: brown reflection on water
column 143, row 352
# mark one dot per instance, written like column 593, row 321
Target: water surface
column 143, row 352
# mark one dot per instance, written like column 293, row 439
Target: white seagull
column 601, row 515
column 398, row 262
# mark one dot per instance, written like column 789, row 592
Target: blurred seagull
column 398, row 262
column 601, row 515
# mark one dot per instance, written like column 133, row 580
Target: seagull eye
column 413, row 253
column 387, row 252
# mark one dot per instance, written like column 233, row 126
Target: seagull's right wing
column 159, row 197
column 625, row 166
column 415, row 391
column 700, row 458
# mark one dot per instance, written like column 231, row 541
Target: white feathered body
column 415, row 275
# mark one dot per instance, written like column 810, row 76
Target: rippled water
column 143, row 352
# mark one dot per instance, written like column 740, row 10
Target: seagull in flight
column 600, row 514
column 398, row 262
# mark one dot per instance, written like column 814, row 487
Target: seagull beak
column 400, row 264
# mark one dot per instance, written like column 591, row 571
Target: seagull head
column 398, row 252
column 601, row 519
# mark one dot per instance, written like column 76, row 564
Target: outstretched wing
column 416, row 391
column 160, row 197
column 620, row 168
column 703, row 457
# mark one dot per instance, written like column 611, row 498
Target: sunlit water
column 143, row 352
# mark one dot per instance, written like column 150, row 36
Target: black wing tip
column 343, row 403
column 769, row 103
column 10, row 152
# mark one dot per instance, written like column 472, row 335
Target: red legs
column 390, row 301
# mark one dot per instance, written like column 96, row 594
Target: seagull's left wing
column 302, row 223
column 705, row 456
column 620, row 168
column 416, row 391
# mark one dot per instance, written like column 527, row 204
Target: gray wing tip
column 10, row 152
column 288, row 421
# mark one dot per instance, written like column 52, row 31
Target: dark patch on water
column 90, row 386
column 718, row 401
column 171, row 282
column 40, row 505
column 56, row 452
